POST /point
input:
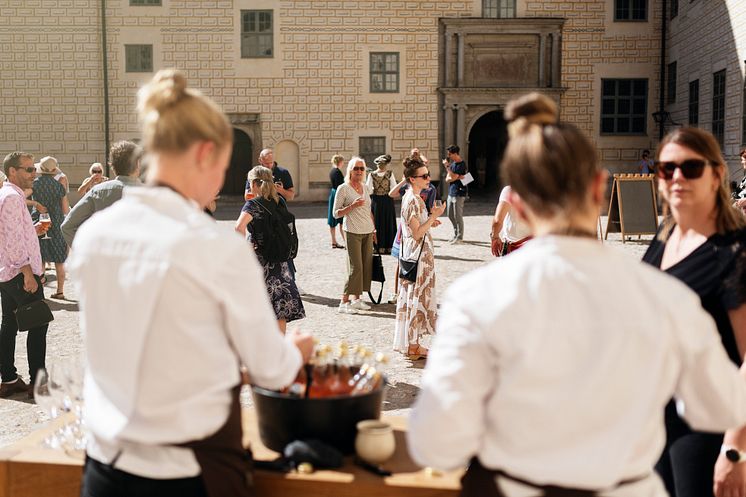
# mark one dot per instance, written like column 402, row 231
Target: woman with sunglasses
column 702, row 244
column 95, row 177
column 551, row 367
column 352, row 204
column 416, row 306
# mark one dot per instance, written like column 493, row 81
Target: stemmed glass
column 45, row 399
column 45, row 221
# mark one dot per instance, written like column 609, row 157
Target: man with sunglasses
column 20, row 273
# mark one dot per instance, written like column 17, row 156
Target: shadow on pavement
column 400, row 396
column 68, row 305
column 452, row 258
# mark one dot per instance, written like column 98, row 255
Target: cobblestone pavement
column 321, row 271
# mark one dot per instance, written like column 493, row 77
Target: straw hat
column 48, row 165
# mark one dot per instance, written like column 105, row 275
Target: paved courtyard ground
column 321, row 274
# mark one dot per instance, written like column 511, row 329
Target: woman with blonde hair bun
column 171, row 308
column 551, row 366
column 255, row 215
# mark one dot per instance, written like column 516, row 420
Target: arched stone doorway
column 487, row 139
column 235, row 177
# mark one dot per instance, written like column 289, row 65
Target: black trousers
column 13, row 295
column 101, row 480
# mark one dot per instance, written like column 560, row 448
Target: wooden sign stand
column 633, row 207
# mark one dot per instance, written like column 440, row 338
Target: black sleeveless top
column 716, row 271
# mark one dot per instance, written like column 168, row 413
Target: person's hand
column 741, row 203
column 40, row 208
column 29, row 283
column 375, row 237
column 445, row 162
column 729, row 479
column 41, row 228
column 497, row 246
column 358, row 202
column 304, row 342
column 436, row 223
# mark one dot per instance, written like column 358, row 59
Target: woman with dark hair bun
column 551, row 366
column 379, row 183
column 702, row 244
column 416, row 306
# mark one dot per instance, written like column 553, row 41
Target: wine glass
column 48, row 402
column 45, row 221
column 438, row 204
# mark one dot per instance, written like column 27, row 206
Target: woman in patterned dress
column 379, row 183
column 281, row 287
column 416, row 308
column 50, row 193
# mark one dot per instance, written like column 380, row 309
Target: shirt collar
column 13, row 186
column 129, row 180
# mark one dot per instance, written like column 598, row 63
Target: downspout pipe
column 662, row 89
column 105, row 65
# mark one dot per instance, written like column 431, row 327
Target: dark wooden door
column 235, row 177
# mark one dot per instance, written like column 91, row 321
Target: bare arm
column 394, row 192
column 287, row 193
column 243, row 220
column 730, row 478
column 419, row 229
column 65, row 205
column 501, row 211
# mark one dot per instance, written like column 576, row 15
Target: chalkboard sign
column 633, row 209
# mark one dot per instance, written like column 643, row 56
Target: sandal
column 58, row 296
column 419, row 352
column 43, row 279
column 336, row 245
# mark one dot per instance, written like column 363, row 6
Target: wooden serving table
column 27, row 470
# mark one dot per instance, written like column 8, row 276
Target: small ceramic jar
column 375, row 441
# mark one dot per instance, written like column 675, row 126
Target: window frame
column 499, row 7
column 693, row 107
column 718, row 106
column 369, row 156
column 384, row 72
column 630, row 10
column 257, row 34
column 629, row 115
column 671, row 76
column 128, row 48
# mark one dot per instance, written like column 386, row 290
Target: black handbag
column 33, row 315
column 377, row 274
column 408, row 269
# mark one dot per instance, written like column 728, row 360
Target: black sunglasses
column 30, row 169
column 423, row 176
column 358, row 168
column 690, row 168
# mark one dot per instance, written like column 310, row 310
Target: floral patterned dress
column 281, row 287
column 416, row 308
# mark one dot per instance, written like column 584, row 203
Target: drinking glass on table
column 46, row 222
column 45, row 399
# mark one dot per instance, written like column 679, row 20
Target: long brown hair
column 703, row 143
column 267, row 187
column 550, row 165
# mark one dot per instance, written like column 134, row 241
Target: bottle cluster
column 340, row 371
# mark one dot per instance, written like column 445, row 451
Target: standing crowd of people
column 560, row 369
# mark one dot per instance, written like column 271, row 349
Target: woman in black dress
column 702, row 244
column 336, row 177
column 379, row 184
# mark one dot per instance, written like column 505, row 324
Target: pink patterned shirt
column 19, row 245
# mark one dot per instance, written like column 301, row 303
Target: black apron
column 479, row 481
column 227, row 467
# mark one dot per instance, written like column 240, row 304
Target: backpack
column 278, row 229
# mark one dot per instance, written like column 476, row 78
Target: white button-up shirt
column 171, row 304
column 555, row 363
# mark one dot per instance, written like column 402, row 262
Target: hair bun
column 533, row 108
column 166, row 88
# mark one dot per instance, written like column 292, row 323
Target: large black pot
column 284, row 419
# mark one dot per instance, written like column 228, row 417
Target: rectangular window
column 384, row 72
column 498, row 8
column 256, row 34
column 145, row 2
column 671, row 82
column 371, row 147
column 630, row 10
column 674, row 8
column 718, row 106
column 624, row 104
column 138, row 58
column 694, row 102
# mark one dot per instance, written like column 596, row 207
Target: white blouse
column 358, row 220
column 555, row 363
column 171, row 304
